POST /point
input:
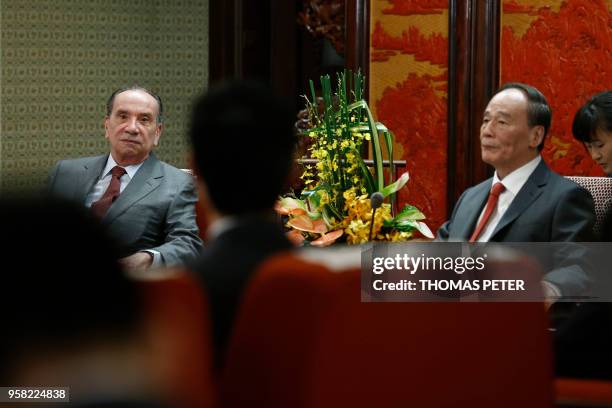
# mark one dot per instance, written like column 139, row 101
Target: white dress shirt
column 102, row 185
column 229, row 222
column 220, row 225
column 513, row 183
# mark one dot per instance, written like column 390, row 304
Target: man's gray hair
column 538, row 109
column 111, row 100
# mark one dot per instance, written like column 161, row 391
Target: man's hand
column 139, row 261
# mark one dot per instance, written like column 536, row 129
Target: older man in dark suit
column 524, row 201
column 148, row 205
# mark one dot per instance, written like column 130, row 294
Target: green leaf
column 403, row 227
column 378, row 162
column 358, row 85
column 410, row 212
column 349, row 75
column 367, row 176
column 307, row 203
column 290, row 203
column 396, row 186
column 389, row 143
column 407, row 221
column 381, row 127
column 314, row 200
column 327, row 96
column 408, row 226
column 361, row 128
column 424, row 229
column 329, row 213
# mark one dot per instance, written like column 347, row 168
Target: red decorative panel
column 565, row 50
column 411, row 7
column 408, row 93
column 432, row 48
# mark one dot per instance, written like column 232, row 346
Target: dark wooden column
column 240, row 39
column 222, row 37
column 284, row 49
column 473, row 77
column 257, row 40
column 357, row 33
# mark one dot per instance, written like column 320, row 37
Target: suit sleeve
column 182, row 243
column 573, row 222
column 52, row 177
column 443, row 232
column 574, row 217
column 60, row 181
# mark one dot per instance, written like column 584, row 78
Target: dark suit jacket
column 226, row 265
column 548, row 208
column 155, row 211
column 582, row 343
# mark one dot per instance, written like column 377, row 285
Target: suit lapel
column 89, row 175
column 147, row 178
column 530, row 191
column 473, row 206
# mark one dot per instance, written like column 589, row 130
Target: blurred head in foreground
column 593, row 127
column 70, row 316
column 242, row 138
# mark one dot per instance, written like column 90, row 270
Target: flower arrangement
column 336, row 202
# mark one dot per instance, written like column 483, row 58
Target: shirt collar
column 130, row 170
column 515, row 180
column 228, row 222
column 220, row 225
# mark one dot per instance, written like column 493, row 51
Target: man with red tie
column 524, row 201
column 147, row 205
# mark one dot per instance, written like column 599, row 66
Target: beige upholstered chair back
column 601, row 190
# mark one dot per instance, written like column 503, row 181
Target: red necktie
column 497, row 189
column 100, row 207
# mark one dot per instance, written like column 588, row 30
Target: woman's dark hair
column 594, row 115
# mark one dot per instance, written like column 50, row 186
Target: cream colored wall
column 60, row 59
